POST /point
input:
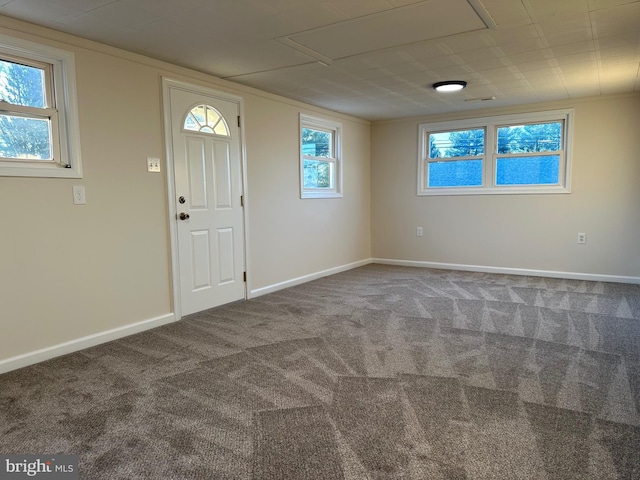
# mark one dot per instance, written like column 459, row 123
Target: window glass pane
column 536, row 137
column 22, row 85
column 206, row 119
column 543, row 170
column 221, row 128
column 212, row 116
column 464, row 173
column 461, row 143
column 28, row 138
column 198, row 113
column 318, row 174
column 316, row 143
column 191, row 123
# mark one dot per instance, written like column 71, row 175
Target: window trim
column 490, row 157
column 61, row 109
column 307, row 121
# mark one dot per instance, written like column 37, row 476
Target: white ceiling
column 375, row 59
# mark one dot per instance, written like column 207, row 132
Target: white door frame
column 168, row 83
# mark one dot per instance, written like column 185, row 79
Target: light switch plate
column 153, row 164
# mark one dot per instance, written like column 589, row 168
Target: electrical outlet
column 79, row 197
column 419, row 231
column 582, row 238
column 153, row 164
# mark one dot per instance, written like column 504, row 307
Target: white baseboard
column 306, row 278
column 48, row 353
column 594, row 277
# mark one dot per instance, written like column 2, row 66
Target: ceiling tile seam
column 483, row 13
column 399, row 46
column 475, row 5
column 285, row 40
column 596, row 41
column 258, row 72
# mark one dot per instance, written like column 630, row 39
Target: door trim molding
column 168, row 84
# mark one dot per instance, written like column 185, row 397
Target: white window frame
column 61, row 110
column 490, row 157
column 335, row 128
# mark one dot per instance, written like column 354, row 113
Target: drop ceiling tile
column 541, row 9
column 531, row 56
column 81, row 5
column 443, row 61
column 584, row 57
column 396, row 27
column 42, row 11
column 559, row 37
column 568, row 20
column 619, row 71
column 619, row 42
column 88, row 26
column 149, row 38
column 167, row 9
column 604, row 4
column 489, row 63
column 507, row 12
column 422, row 50
column 617, row 20
column 586, row 91
column 124, row 14
column 616, row 86
column 535, row 65
column 573, row 48
column 466, row 42
column 584, row 68
column 358, row 8
column 581, row 79
column 481, row 54
column 519, row 42
column 309, row 15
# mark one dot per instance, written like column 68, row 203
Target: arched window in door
column 206, row 119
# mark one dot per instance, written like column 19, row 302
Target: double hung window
column 38, row 119
column 528, row 153
column 320, row 158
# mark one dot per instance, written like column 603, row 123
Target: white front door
column 207, row 173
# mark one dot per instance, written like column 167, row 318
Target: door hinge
column 238, row 121
column 244, row 276
column 242, row 200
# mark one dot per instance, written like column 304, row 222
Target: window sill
column 11, row 169
column 320, row 195
column 495, row 191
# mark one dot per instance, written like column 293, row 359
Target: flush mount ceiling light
column 449, row 86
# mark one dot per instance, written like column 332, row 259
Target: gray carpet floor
column 377, row 373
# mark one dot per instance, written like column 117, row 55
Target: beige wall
column 308, row 235
column 519, row 231
column 73, row 271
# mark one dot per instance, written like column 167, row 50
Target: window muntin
column 206, row 119
column 526, row 153
column 39, row 134
column 320, row 164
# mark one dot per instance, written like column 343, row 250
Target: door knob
column 184, row 216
